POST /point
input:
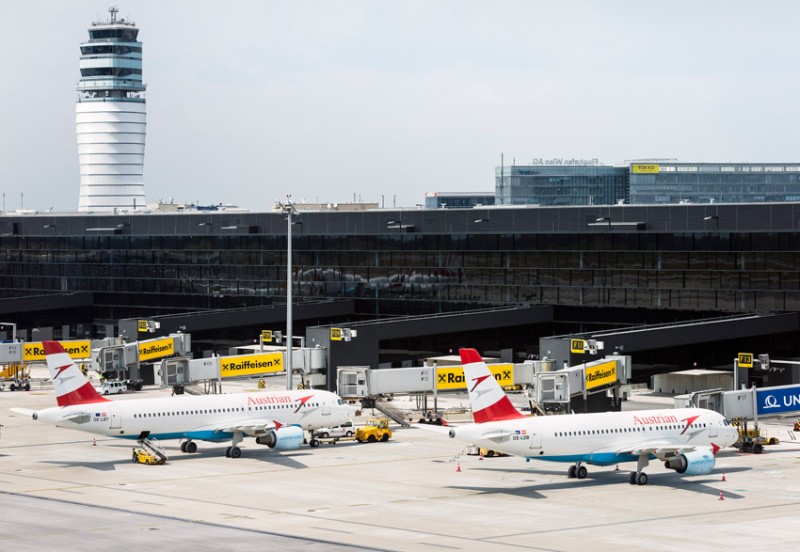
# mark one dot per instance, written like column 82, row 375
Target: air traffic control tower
column 110, row 118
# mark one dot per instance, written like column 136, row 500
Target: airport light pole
column 289, row 209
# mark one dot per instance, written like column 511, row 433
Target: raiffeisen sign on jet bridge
column 77, row 349
column 776, row 400
column 247, row 365
column 159, row 348
column 601, row 374
column 452, row 377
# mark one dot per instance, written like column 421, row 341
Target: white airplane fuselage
column 185, row 417
column 598, row 438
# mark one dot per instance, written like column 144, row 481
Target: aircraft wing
column 252, row 427
column 661, row 449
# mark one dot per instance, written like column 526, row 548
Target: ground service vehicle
column 344, row 430
column 142, row 456
column 112, row 387
column 376, row 429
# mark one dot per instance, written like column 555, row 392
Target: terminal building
column 421, row 282
column 562, row 182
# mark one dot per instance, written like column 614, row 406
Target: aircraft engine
column 697, row 462
column 285, row 438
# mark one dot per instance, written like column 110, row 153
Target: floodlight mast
column 289, row 209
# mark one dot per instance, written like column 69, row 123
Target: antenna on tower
column 113, row 11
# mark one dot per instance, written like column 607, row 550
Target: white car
column 344, row 430
column 112, row 387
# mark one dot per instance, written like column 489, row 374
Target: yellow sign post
column 577, row 346
column 745, row 360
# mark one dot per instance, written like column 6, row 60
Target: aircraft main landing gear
column 189, row 446
column 577, row 470
column 233, row 451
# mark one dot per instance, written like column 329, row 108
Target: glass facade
column 738, row 259
column 558, row 184
column 655, row 183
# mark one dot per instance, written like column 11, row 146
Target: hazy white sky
column 248, row 101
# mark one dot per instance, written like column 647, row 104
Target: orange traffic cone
column 480, row 456
column 723, row 478
column 458, row 468
column 720, row 496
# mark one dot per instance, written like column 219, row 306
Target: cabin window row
column 219, row 410
column 622, row 430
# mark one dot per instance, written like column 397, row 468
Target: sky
column 383, row 101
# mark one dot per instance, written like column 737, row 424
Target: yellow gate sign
column 336, row 334
column 577, row 346
column 452, row 377
column 247, row 365
column 745, row 360
column 266, row 336
column 142, row 326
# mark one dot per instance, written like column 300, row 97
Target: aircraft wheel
column 641, row 479
column 236, row 452
column 571, row 471
column 191, row 447
column 581, row 472
column 313, row 443
column 632, row 478
column 183, row 446
column 228, row 452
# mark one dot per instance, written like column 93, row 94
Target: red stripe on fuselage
column 82, row 395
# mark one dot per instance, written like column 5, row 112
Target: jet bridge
column 555, row 390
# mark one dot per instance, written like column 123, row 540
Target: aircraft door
column 326, row 409
column 115, row 419
column 712, row 431
column 536, row 441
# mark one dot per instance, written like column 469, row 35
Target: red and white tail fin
column 489, row 401
column 69, row 383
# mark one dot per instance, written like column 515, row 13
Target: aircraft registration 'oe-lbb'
column 276, row 419
column 685, row 439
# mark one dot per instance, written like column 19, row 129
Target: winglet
column 69, row 383
column 489, row 401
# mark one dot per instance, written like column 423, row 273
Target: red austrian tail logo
column 689, row 421
column 301, row 401
column 478, row 381
column 61, row 369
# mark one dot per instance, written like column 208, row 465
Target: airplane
column 276, row 419
column 685, row 439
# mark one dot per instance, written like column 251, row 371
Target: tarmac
column 60, row 489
